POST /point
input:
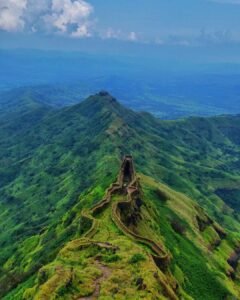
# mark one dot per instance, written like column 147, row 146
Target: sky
column 88, row 24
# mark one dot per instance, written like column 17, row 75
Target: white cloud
column 82, row 31
column 118, row 34
column 70, row 17
column 132, row 36
column 202, row 38
column 11, row 15
column 111, row 33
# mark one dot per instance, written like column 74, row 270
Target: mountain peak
column 103, row 94
column 106, row 97
column 100, row 102
column 103, row 97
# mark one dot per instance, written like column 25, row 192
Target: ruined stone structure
column 127, row 185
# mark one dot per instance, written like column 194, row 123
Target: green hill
column 58, row 163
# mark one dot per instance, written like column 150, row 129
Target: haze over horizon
column 204, row 29
column 169, row 58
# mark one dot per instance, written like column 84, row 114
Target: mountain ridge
column 65, row 162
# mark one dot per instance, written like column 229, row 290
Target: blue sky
column 82, row 24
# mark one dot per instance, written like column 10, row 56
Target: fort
column 128, row 187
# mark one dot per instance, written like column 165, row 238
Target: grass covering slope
column 114, row 266
column 66, row 158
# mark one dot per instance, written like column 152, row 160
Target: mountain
column 57, row 164
column 166, row 87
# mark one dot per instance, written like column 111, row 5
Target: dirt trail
column 106, row 272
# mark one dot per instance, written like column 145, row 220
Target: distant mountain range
column 168, row 89
column 56, row 162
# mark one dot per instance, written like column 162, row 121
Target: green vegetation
column 137, row 257
column 54, row 164
column 191, row 256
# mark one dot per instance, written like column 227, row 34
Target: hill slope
column 65, row 161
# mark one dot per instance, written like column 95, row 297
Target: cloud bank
column 12, row 14
column 74, row 18
column 69, row 17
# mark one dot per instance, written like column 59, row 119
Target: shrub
column 42, row 276
column 62, row 290
column 161, row 195
column 137, row 258
column 84, row 225
column 69, row 219
column 178, row 226
column 110, row 258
